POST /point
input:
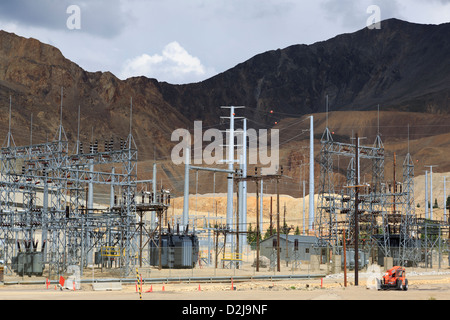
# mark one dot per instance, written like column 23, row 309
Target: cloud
column 173, row 65
column 253, row 9
column 104, row 19
column 353, row 14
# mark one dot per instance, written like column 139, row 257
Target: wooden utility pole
column 271, row 226
column 278, row 225
column 257, row 227
column 356, row 232
column 345, row 259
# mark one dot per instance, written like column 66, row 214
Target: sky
column 185, row 41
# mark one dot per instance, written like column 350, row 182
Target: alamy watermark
column 73, row 22
column 263, row 147
column 374, row 20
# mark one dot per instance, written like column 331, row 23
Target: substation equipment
column 378, row 215
column 48, row 221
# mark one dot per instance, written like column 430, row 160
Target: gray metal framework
column 46, row 202
column 387, row 221
column 332, row 203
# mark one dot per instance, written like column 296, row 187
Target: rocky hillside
column 402, row 67
column 33, row 73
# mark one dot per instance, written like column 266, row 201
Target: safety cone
column 149, row 290
column 163, row 289
column 199, row 289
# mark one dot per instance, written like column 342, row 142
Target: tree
column 251, row 236
column 435, row 203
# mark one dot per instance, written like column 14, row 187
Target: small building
column 298, row 247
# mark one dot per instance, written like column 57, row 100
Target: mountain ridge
column 356, row 70
column 404, row 67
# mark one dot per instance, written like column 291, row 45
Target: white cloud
column 174, row 65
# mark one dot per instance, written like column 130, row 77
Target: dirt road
column 421, row 287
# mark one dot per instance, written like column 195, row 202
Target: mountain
column 33, row 73
column 403, row 67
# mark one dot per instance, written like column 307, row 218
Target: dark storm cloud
column 102, row 18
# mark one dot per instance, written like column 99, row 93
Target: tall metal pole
column 185, row 218
column 111, row 194
column 244, row 183
column 230, row 161
column 311, row 175
column 431, row 192
column 153, row 213
column 304, row 222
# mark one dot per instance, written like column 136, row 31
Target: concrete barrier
column 107, row 286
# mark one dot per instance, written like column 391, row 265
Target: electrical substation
column 49, row 221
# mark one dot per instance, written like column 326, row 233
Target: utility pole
column 426, row 194
column 445, row 203
column 257, row 225
column 311, row 174
column 278, row 225
column 271, row 226
column 357, row 211
column 356, row 232
column 431, row 190
column 345, row 259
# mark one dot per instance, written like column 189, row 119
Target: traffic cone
column 149, row 290
column 199, row 289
